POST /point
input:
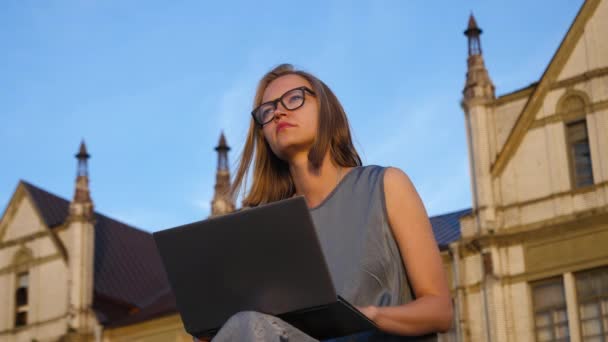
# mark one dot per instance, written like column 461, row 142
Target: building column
column 572, row 305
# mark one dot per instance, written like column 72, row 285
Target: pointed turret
column 81, row 206
column 473, row 32
column 222, row 200
column 478, row 85
column 478, row 105
column 222, row 149
column 81, row 250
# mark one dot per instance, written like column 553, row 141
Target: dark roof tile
column 446, row 227
column 54, row 209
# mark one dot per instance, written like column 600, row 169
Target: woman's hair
column 271, row 178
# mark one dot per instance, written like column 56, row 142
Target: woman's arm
column 432, row 309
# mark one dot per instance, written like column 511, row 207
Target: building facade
column 532, row 262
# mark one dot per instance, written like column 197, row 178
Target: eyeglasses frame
column 280, row 99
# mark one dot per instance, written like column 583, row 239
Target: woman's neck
column 315, row 184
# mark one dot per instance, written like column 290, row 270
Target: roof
column 82, row 151
column 472, row 23
column 130, row 283
column 222, row 144
column 446, row 227
column 129, row 275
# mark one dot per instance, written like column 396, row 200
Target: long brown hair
column 271, row 178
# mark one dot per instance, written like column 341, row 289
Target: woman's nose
column 279, row 111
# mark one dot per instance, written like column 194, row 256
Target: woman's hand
column 369, row 311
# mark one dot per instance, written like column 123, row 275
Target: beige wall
column 505, row 116
column 23, row 222
column 520, row 305
column 550, row 102
column 540, row 169
column 591, row 51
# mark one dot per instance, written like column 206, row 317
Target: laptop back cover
column 265, row 259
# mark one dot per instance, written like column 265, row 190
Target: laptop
column 266, row 259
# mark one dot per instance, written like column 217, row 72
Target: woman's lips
column 282, row 125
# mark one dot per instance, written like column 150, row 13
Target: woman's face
column 291, row 131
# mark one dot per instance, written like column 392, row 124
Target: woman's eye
column 266, row 111
column 295, row 98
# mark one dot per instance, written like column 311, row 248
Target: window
column 579, row 154
column 21, row 299
column 592, row 294
column 550, row 313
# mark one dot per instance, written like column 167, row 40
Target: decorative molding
column 584, row 77
column 552, row 272
column 24, row 239
column 572, row 115
column 579, row 223
column 568, row 82
column 14, row 331
column 22, row 259
column 526, row 118
column 595, row 187
column 32, row 263
column 516, row 95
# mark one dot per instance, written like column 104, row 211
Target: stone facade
column 531, row 225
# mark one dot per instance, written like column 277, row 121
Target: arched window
column 581, row 171
column 22, row 262
column 21, row 299
column 577, row 139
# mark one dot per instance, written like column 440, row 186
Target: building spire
column 81, row 206
column 478, row 85
column 222, row 200
column 222, row 149
column 473, row 32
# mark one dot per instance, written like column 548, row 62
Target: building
column 68, row 273
column 532, row 263
column 528, row 262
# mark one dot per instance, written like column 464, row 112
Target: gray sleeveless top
column 362, row 255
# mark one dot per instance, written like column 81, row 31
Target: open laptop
column 266, row 259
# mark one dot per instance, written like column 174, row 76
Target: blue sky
column 151, row 84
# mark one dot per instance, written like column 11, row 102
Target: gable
column 591, row 50
column 547, row 81
column 21, row 219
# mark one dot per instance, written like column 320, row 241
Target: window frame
column 25, row 308
column 571, row 157
column 549, row 309
column 591, row 300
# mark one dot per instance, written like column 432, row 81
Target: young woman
column 372, row 225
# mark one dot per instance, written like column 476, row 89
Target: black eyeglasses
column 291, row 100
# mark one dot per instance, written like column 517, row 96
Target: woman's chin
column 287, row 152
